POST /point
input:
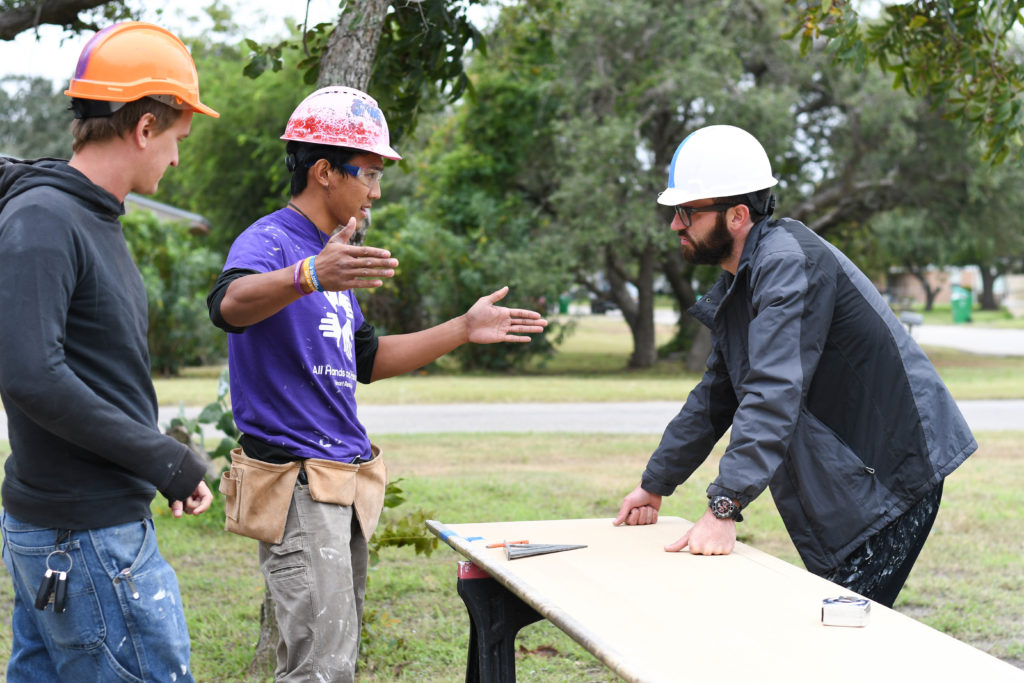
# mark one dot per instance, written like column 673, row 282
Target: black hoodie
column 86, row 451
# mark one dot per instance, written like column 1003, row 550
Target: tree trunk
column 265, row 660
column 691, row 334
column 929, row 292
column 987, row 299
column 639, row 314
column 700, row 349
column 352, row 46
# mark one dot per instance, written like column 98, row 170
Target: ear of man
column 319, row 173
column 145, row 130
column 739, row 219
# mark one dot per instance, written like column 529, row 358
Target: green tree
column 845, row 144
column 34, row 120
column 407, row 55
column 232, row 169
column 964, row 54
column 177, row 272
column 485, row 177
column 908, row 238
column 617, row 87
column 991, row 227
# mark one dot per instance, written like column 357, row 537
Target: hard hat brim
column 201, row 108
column 674, row 196
column 391, row 154
column 197, row 107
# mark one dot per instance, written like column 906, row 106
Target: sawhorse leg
column 495, row 617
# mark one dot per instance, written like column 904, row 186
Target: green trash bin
column 961, row 301
column 563, row 303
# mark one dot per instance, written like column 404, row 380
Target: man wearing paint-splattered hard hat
column 307, row 482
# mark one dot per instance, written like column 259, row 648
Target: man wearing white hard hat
column 307, row 482
column 831, row 403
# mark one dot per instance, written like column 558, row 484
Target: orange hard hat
column 131, row 60
column 343, row 117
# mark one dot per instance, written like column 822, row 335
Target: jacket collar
column 753, row 238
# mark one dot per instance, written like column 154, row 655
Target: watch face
column 722, row 507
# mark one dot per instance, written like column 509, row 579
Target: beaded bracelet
column 297, row 279
column 312, row 274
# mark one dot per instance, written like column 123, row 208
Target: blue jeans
column 124, row 619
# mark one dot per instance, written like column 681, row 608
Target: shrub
column 178, row 271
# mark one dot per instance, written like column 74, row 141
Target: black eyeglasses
column 685, row 213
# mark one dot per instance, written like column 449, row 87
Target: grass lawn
column 943, row 315
column 968, row 582
column 591, row 366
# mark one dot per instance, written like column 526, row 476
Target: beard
column 714, row 249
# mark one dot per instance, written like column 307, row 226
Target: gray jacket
column 831, row 403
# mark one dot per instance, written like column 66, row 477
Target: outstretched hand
column 341, row 266
column 489, row 324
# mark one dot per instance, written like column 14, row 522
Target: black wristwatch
column 724, row 507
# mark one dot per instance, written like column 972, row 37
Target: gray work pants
column 317, row 578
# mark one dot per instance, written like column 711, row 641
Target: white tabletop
column 655, row 616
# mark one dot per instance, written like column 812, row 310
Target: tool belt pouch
column 358, row 485
column 256, row 496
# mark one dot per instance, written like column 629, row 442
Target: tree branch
column 844, row 201
column 56, row 12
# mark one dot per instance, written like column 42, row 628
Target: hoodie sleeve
column 95, row 396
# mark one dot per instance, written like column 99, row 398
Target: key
column 54, row 586
column 46, row 588
column 60, row 593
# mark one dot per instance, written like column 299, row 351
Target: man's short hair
column 122, row 121
column 302, row 155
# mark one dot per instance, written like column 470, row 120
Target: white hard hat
column 714, row 162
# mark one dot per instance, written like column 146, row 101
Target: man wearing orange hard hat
column 93, row 598
column 307, row 482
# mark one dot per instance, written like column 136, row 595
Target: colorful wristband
column 297, row 279
column 307, row 281
column 312, row 274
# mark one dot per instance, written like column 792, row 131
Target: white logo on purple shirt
column 332, row 327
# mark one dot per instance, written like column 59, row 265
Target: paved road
column 651, row 417
column 601, row 418
column 965, row 336
column 986, row 341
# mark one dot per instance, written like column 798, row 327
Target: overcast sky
column 55, row 59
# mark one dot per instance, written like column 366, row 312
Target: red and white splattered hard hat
column 344, row 117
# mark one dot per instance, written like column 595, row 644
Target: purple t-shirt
column 293, row 375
